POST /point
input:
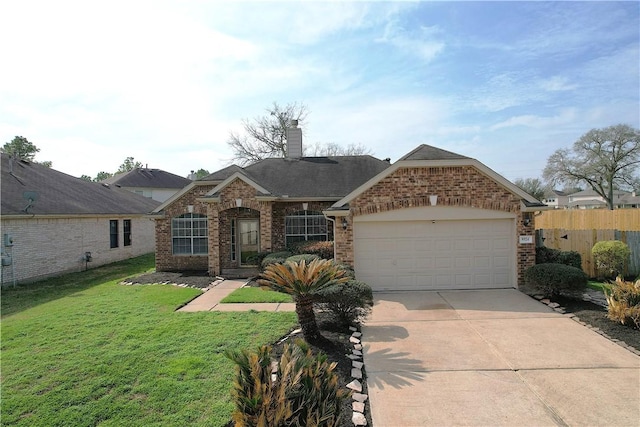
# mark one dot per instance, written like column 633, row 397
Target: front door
column 249, row 240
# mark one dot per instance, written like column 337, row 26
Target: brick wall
column 165, row 260
column 47, row 247
column 462, row 186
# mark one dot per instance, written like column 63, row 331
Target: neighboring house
column 155, row 184
column 432, row 220
column 556, row 199
column 589, row 199
column 51, row 221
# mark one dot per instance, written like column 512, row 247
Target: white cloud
column 557, row 84
column 565, row 117
column 420, row 43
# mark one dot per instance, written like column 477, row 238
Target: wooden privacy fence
column 579, row 230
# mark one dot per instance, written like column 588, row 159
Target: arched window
column 305, row 225
column 189, row 234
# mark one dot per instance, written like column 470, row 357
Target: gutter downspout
column 333, row 220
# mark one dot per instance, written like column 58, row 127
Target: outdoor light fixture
column 305, row 206
column 238, row 203
column 344, row 223
column 527, row 219
column 433, row 199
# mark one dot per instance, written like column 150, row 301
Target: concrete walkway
column 492, row 358
column 210, row 300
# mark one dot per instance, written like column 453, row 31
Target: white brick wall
column 46, row 247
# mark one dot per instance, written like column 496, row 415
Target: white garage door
column 442, row 254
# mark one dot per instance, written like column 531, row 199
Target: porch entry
column 248, row 240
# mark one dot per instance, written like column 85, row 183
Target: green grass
column 84, row 350
column 252, row 294
column 598, row 286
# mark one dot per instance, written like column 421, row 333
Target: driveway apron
column 492, row 358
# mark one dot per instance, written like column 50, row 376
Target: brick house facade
column 346, row 190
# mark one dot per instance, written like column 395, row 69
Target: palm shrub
column 348, row 303
column 304, row 390
column 610, row 257
column 303, row 281
column 623, row 299
column 307, row 257
column 555, row 279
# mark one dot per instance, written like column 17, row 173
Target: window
column 113, row 233
column 305, row 225
column 126, row 226
column 189, row 234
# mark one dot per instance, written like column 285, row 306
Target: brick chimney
column 294, row 141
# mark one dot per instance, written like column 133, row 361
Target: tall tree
column 533, row 186
column 129, row 164
column 265, row 136
column 21, row 147
column 604, row 159
column 201, row 173
column 331, row 149
column 102, row 176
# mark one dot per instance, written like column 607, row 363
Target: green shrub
column 306, row 257
column 303, row 392
column 623, row 299
column 610, row 257
column 348, row 303
column 275, row 258
column 555, row 279
column 546, row 255
column 257, row 258
column 324, row 249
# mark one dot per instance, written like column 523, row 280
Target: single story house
column 589, row 199
column 432, row 220
column 53, row 223
column 155, row 184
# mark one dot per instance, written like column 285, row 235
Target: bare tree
column 605, row 159
column 330, row 149
column 533, row 186
column 265, row 136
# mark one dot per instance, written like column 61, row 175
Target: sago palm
column 302, row 281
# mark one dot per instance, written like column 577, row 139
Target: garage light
column 345, row 224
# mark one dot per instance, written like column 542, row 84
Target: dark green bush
column 275, row 258
column 324, row 249
column 348, row 303
column 546, row 255
column 306, row 257
column 555, row 279
column 610, row 257
column 304, row 391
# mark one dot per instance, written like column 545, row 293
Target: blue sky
column 507, row 83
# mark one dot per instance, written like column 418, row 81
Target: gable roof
column 222, row 174
column 426, row 155
column 311, row 177
column 428, row 152
column 148, row 178
column 61, row 194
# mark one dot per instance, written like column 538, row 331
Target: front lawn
column 253, row 295
column 85, row 350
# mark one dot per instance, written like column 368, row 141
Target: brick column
column 266, row 221
column 214, row 239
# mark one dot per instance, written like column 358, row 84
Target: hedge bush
column 555, row 279
column 324, row 249
column 275, row 258
column 303, row 257
column 610, row 257
column 546, row 255
column 348, row 303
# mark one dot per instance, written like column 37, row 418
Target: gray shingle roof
column 148, row 178
column 222, row 174
column 62, row 194
column 428, row 152
column 331, row 177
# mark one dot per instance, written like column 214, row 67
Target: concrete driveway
column 492, row 358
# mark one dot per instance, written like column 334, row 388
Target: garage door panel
column 460, row 254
